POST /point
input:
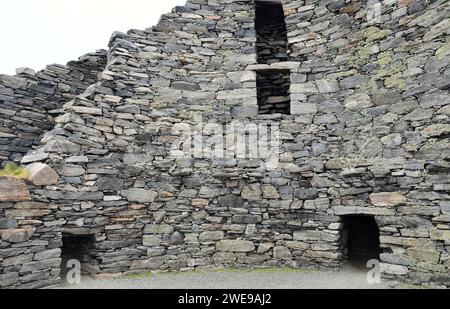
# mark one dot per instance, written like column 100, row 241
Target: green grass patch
column 11, row 170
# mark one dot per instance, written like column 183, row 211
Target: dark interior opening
column 76, row 247
column 363, row 239
column 271, row 32
column 273, row 88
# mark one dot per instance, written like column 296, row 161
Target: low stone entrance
column 362, row 239
column 78, row 249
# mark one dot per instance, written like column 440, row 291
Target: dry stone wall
column 30, row 238
column 367, row 135
column 373, row 92
column 29, row 101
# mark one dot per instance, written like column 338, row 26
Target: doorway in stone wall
column 361, row 239
column 78, row 248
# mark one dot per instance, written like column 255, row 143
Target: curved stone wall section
column 29, row 102
column 366, row 137
column 373, row 95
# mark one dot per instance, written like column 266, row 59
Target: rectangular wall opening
column 363, row 239
column 271, row 32
column 273, row 87
column 76, row 247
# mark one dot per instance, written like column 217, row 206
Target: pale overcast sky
column 35, row 33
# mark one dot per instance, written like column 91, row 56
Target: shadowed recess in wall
column 271, row 33
column 78, row 248
column 363, row 239
column 273, row 91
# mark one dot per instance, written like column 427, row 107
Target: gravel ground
column 346, row 278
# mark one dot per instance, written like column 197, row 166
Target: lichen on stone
column 395, row 81
column 373, row 33
column 442, row 52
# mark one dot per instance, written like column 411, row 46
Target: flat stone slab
column 42, row 174
column 387, row 199
column 13, row 190
column 17, row 235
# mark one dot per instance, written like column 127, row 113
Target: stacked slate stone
column 29, row 101
column 372, row 97
column 367, row 135
column 30, row 238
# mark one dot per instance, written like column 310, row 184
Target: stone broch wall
column 367, row 134
column 29, row 101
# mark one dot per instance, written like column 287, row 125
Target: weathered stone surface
column 9, row 279
column 80, row 196
column 87, row 110
column 244, row 111
column 7, row 223
column 387, row 199
column 312, row 235
column 133, row 159
column 61, row 145
column 265, row 247
column 252, row 192
column 354, row 210
column 12, row 190
column 235, row 246
column 17, row 235
column 17, row 260
column 42, row 175
column 305, row 194
column 299, row 108
column 436, row 130
column 158, row 229
column 392, row 140
column 297, row 245
column 393, row 269
column 236, row 94
column 139, row 195
column 24, row 70
column 211, row 236
column 40, row 265
column 282, row 253
column 327, row 86
column 47, row 255
column 231, row 201
column 437, row 234
column 151, row 240
column 152, row 263
column 270, row 192
column 176, row 238
column 110, row 184
column 34, row 157
column 426, row 255
column 396, row 259
column 445, row 207
column 358, row 102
